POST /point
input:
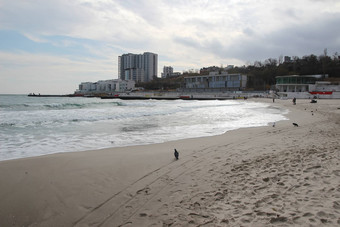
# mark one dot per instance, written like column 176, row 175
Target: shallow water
column 32, row 126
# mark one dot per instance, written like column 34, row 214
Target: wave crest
column 57, row 106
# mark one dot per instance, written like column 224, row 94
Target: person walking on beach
column 294, row 101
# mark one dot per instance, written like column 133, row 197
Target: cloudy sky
column 50, row 46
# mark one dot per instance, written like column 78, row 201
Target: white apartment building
column 106, row 86
column 167, row 71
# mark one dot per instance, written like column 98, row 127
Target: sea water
column 33, row 126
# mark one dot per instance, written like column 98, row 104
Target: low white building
column 106, row 86
column 87, row 87
column 221, row 80
column 307, row 86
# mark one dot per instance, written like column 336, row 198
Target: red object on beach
column 321, row 92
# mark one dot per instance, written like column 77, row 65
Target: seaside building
column 105, row 86
column 214, row 80
column 207, row 70
column 86, row 87
column 168, row 71
column 138, row 67
column 307, row 86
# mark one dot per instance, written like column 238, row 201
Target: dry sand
column 282, row 175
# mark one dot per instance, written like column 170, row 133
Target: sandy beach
column 264, row 176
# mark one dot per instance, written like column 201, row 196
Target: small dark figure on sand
column 176, row 154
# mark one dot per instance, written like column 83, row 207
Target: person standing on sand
column 294, row 101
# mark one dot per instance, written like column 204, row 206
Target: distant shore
column 259, row 176
column 39, row 95
column 200, row 95
column 165, row 95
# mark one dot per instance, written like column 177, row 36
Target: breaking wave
column 38, row 126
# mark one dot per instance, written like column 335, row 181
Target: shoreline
column 108, row 140
column 214, row 177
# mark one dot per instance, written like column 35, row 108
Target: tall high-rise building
column 138, row 67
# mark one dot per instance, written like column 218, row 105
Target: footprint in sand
column 219, row 196
column 308, row 214
column 336, row 205
column 144, row 190
column 336, row 172
column 143, row 215
column 278, row 220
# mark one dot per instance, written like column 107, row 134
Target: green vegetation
column 166, row 84
column 262, row 74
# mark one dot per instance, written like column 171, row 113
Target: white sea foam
column 38, row 126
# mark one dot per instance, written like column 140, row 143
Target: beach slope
column 247, row 177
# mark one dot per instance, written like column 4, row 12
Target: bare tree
column 280, row 59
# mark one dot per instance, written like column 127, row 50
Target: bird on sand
column 295, row 124
column 176, row 154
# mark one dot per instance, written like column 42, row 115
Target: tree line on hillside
column 261, row 75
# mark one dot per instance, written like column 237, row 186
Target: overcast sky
column 51, row 46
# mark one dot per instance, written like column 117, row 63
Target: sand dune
column 282, row 175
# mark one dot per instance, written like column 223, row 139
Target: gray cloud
column 187, row 41
column 192, row 33
column 149, row 11
column 46, row 17
column 298, row 40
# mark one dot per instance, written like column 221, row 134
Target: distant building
column 138, row 67
column 207, row 70
column 287, row 59
column 229, row 67
column 307, row 86
column 87, row 87
column 221, row 80
column 168, row 71
column 106, row 86
column 174, row 74
column 295, row 83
